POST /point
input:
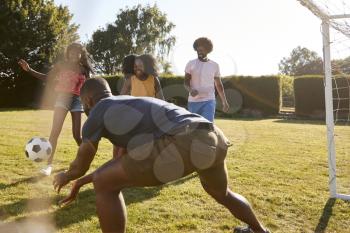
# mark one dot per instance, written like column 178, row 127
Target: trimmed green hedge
column 259, row 94
column 174, row 90
column 252, row 96
column 310, row 97
column 115, row 83
column 341, row 97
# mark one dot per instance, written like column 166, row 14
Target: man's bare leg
column 214, row 182
column 108, row 182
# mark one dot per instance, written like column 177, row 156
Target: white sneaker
column 46, row 170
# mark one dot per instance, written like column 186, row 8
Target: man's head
column 203, row 46
column 93, row 90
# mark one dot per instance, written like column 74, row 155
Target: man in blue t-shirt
column 164, row 143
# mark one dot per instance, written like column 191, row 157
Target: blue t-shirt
column 122, row 119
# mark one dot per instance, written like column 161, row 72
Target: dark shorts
column 172, row 157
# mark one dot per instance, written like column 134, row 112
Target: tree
column 301, row 61
column 136, row 30
column 36, row 30
column 104, row 50
column 341, row 66
column 166, row 65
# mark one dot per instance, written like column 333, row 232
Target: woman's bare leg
column 57, row 124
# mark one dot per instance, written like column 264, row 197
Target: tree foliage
column 341, row 66
column 136, row 30
column 36, row 30
column 301, row 61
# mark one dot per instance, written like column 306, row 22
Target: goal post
column 330, row 20
column 329, row 108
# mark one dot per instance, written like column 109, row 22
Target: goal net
column 335, row 31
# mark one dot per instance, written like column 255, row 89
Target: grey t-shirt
column 122, row 119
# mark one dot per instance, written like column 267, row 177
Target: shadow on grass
column 242, row 118
column 22, row 207
column 16, row 109
column 182, row 180
column 82, row 209
column 301, row 121
column 28, row 180
column 326, row 215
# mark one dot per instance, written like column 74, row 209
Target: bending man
column 164, row 143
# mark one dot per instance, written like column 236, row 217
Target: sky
column 250, row 37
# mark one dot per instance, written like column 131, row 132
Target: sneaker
column 46, row 170
column 246, row 230
column 242, row 230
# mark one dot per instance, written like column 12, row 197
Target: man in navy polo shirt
column 164, row 143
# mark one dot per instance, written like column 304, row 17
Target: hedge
column 260, row 95
column 24, row 92
column 341, row 97
column 310, row 97
column 250, row 95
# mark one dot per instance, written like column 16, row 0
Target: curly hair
column 128, row 64
column 84, row 60
column 205, row 42
column 149, row 63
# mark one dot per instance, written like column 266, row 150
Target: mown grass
column 279, row 165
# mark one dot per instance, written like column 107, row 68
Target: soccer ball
column 38, row 149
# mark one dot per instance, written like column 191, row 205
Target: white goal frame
column 326, row 24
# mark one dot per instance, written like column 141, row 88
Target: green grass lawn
column 279, row 165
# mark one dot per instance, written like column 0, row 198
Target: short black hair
column 96, row 87
column 205, row 42
column 128, row 64
column 149, row 63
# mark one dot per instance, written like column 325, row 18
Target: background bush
column 259, row 95
column 310, row 97
column 251, row 96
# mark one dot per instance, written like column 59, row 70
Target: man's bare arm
column 158, row 88
column 187, row 84
column 221, row 92
column 81, row 164
column 126, row 86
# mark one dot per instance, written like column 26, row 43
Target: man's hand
column 24, row 65
column 77, row 184
column 193, row 92
column 73, row 193
column 225, row 106
column 59, row 181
